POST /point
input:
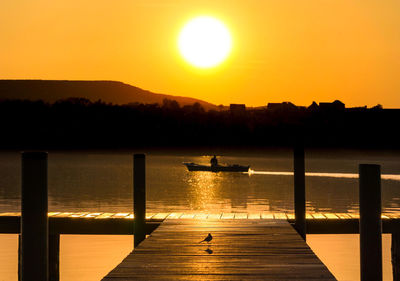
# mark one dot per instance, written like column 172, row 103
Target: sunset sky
column 282, row 50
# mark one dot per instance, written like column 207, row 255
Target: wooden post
column 34, row 221
column 54, row 257
column 299, row 191
column 139, row 198
column 396, row 255
column 370, row 223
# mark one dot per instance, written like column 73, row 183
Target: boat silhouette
column 216, row 168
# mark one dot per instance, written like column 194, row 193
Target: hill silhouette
column 108, row 91
column 77, row 123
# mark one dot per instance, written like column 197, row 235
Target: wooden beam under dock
column 121, row 223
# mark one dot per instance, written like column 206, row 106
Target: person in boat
column 214, row 161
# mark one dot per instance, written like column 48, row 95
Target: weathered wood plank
column 214, row 216
column 254, row 216
column 64, row 215
column 161, row 216
column 201, row 216
column 149, row 215
column 241, row 216
column 120, row 215
column 78, row 215
column 318, row 216
column 290, row 216
column 309, row 216
column 343, row 216
column 187, row 216
column 10, row 214
column 354, row 216
column 267, row 215
column 280, row 216
column 175, row 215
column 63, row 223
column 104, row 216
column 90, row 215
column 241, row 249
column 331, row 216
column 227, row 216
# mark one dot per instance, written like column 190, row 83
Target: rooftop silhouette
column 81, row 123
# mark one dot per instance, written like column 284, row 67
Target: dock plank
column 267, row 215
column 241, row 249
column 160, row 216
column 241, row 216
column 227, row 216
column 254, row 216
column 201, row 216
column 214, row 216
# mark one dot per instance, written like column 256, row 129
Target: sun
column 204, row 42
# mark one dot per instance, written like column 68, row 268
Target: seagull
column 207, row 239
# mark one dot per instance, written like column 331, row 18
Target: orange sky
column 283, row 50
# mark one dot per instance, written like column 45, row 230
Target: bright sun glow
column 205, row 42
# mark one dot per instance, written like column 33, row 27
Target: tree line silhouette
column 78, row 123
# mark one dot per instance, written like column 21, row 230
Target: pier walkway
column 241, row 249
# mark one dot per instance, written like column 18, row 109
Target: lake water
column 102, row 182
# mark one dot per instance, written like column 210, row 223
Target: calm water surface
column 102, row 182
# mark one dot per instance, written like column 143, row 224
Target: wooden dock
column 267, row 246
column 241, row 249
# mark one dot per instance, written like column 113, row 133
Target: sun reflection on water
column 203, row 188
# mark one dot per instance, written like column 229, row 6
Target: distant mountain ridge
column 108, row 91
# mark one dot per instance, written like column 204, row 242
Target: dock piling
column 299, row 191
column 370, row 222
column 54, row 257
column 34, row 221
column 139, row 198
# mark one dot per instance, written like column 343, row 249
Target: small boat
column 216, row 168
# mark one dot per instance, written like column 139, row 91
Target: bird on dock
column 207, row 239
